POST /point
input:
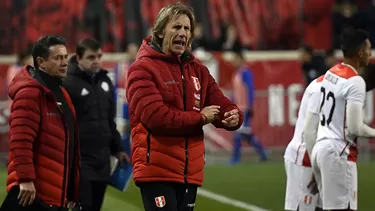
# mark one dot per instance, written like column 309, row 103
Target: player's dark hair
column 42, row 45
column 87, row 44
column 352, row 41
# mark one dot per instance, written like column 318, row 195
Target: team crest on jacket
column 105, row 86
column 197, row 84
column 160, row 201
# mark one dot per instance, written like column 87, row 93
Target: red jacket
column 38, row 141
column 166, row 95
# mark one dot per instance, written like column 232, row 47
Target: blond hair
column 166, row 14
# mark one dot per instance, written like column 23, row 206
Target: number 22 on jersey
column 328, row 99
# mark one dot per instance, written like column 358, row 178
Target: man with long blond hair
column 171, row 97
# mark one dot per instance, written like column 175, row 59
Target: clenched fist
column 210, row 113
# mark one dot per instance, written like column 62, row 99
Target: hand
column 313, row 186
column 122, row 157
column 232, row 118
column 27, row 193
column 210, row 113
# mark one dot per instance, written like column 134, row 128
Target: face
column 91, row 60
column 176, row 35
column 365, row 54
column 56, row 64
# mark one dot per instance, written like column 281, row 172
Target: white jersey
column 341, row 85
column 296, row 149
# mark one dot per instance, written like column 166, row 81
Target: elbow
column 152, row 123
column 354, row 130
column 354, row 127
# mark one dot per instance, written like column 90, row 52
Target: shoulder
column 314, row 86
column 356, row 81
column 70, row 79
column 147, row 68
column 27, row 98
column 146, row 63
column 70, row 84
column 29, row 92
column 354, row 87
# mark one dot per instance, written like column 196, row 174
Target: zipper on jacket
column 148, row 146
column 186, row 138
column 66, row 159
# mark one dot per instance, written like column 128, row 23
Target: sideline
column 226, row 200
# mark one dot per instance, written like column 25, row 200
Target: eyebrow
column 180, row 24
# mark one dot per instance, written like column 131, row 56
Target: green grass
column 262, row 185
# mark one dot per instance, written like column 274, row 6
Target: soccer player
column 243, row 96
column 339, row 115
column 297, row 162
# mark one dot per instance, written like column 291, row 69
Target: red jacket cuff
column 26, row 174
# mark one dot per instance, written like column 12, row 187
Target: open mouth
column 179, row 43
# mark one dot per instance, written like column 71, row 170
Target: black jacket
column 369, row 76
column 93, row 99
column 313, row 69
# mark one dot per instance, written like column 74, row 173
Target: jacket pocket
column 148, row 139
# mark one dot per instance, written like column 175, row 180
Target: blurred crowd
column 222, row 24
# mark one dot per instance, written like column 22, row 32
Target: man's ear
column 40, row 61
column 161, row 35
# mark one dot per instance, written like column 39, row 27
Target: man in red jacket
column 171, row 96
column 43, row 168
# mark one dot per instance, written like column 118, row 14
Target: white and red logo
column 197, row 84
column 160, row 201
column 308, row 199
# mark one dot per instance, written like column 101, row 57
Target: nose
column 64, row 62
column 182, row 33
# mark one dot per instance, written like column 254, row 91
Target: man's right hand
column 210, row 113
column 27, row 193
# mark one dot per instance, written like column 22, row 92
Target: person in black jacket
column 369, row 76
column 92, row 94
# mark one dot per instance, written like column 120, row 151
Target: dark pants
column 92, row 194
column 11, row 203
column 165, row 196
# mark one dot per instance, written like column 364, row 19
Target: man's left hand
column 123, row 157
column 232, row 118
